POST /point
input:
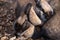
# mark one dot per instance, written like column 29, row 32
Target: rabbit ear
column 28, row 7
column 33, row 18
column 28, row 32
column 18, row 25
column 40, row 14
column 21, row 19
column 46, row 7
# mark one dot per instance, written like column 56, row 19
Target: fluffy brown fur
column 52, row 27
